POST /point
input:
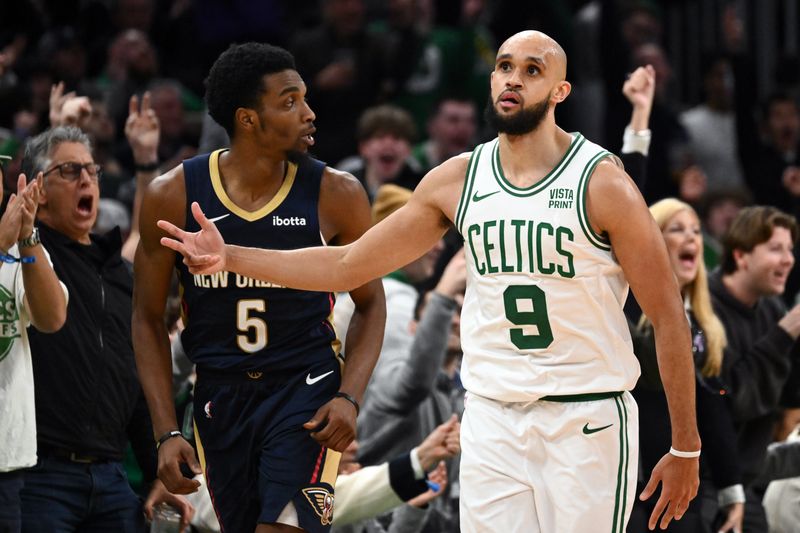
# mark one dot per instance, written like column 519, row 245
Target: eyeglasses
column 71, row 171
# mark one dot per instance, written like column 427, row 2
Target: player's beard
column 523, row 121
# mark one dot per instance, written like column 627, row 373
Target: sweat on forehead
column 538, row 44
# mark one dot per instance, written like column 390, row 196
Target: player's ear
column 246, row 118
column 561, row 91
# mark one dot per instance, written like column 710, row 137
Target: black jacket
column 720, row 461
column 88, row 396
column 755, row 369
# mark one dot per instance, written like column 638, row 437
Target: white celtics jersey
column 542, row 313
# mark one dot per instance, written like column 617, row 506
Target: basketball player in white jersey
column 555, row 231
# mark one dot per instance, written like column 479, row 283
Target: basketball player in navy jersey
column 274, row 401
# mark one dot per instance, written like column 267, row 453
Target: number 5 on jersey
column 251, row 327
column 515, row 295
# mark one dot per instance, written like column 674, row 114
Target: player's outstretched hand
column 334, row 424
column 679, row 480
column 203, row 251
column 170, row 456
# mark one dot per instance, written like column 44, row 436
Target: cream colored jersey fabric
column 543, row 308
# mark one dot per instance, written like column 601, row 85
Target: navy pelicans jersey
column 542, row 313
column 237, row 323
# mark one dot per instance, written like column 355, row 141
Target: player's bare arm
column 617, row 208
column 345, row 216
column 397, row 240
column 153, row 267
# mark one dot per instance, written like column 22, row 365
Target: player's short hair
column 386, row 119
column 236, row 79
column 751, row 227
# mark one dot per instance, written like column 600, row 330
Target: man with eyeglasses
column 89, row 402
column 30, row 295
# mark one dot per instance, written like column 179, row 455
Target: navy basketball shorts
column 255, row 453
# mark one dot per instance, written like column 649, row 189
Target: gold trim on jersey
column 330, row 469
column 336, row 343
column 184, row 316
column 250, row 216
column 201, row 454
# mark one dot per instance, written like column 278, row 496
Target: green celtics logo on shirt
column 9, row 322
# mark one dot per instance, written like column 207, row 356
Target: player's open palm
column 679, row 480
column 203, row 251
column 334, row 424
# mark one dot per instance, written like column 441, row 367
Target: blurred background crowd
column 729, row 68
column 399, row 86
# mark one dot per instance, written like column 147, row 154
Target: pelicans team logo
column 207, row 409
column 9, row 322
column 321, row 501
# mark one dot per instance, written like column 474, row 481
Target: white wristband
column 684, row 455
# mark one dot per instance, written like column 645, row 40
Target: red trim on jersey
column 315, row 475
column 213, row 501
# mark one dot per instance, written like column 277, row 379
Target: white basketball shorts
column 566, row 465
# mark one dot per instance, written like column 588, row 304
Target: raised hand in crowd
column 17, row 220
column 640, row 89
column 29, row 196
column 10, row 223
column 143, row 132
column 442, row 443
column 68, row 109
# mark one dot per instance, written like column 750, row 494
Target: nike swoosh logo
column 218, row 218
column 477, row 198
column 588, row 431
column 311, row 381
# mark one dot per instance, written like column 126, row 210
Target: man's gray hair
column 39, row 149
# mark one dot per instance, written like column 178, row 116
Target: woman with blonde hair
column 720, row 504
